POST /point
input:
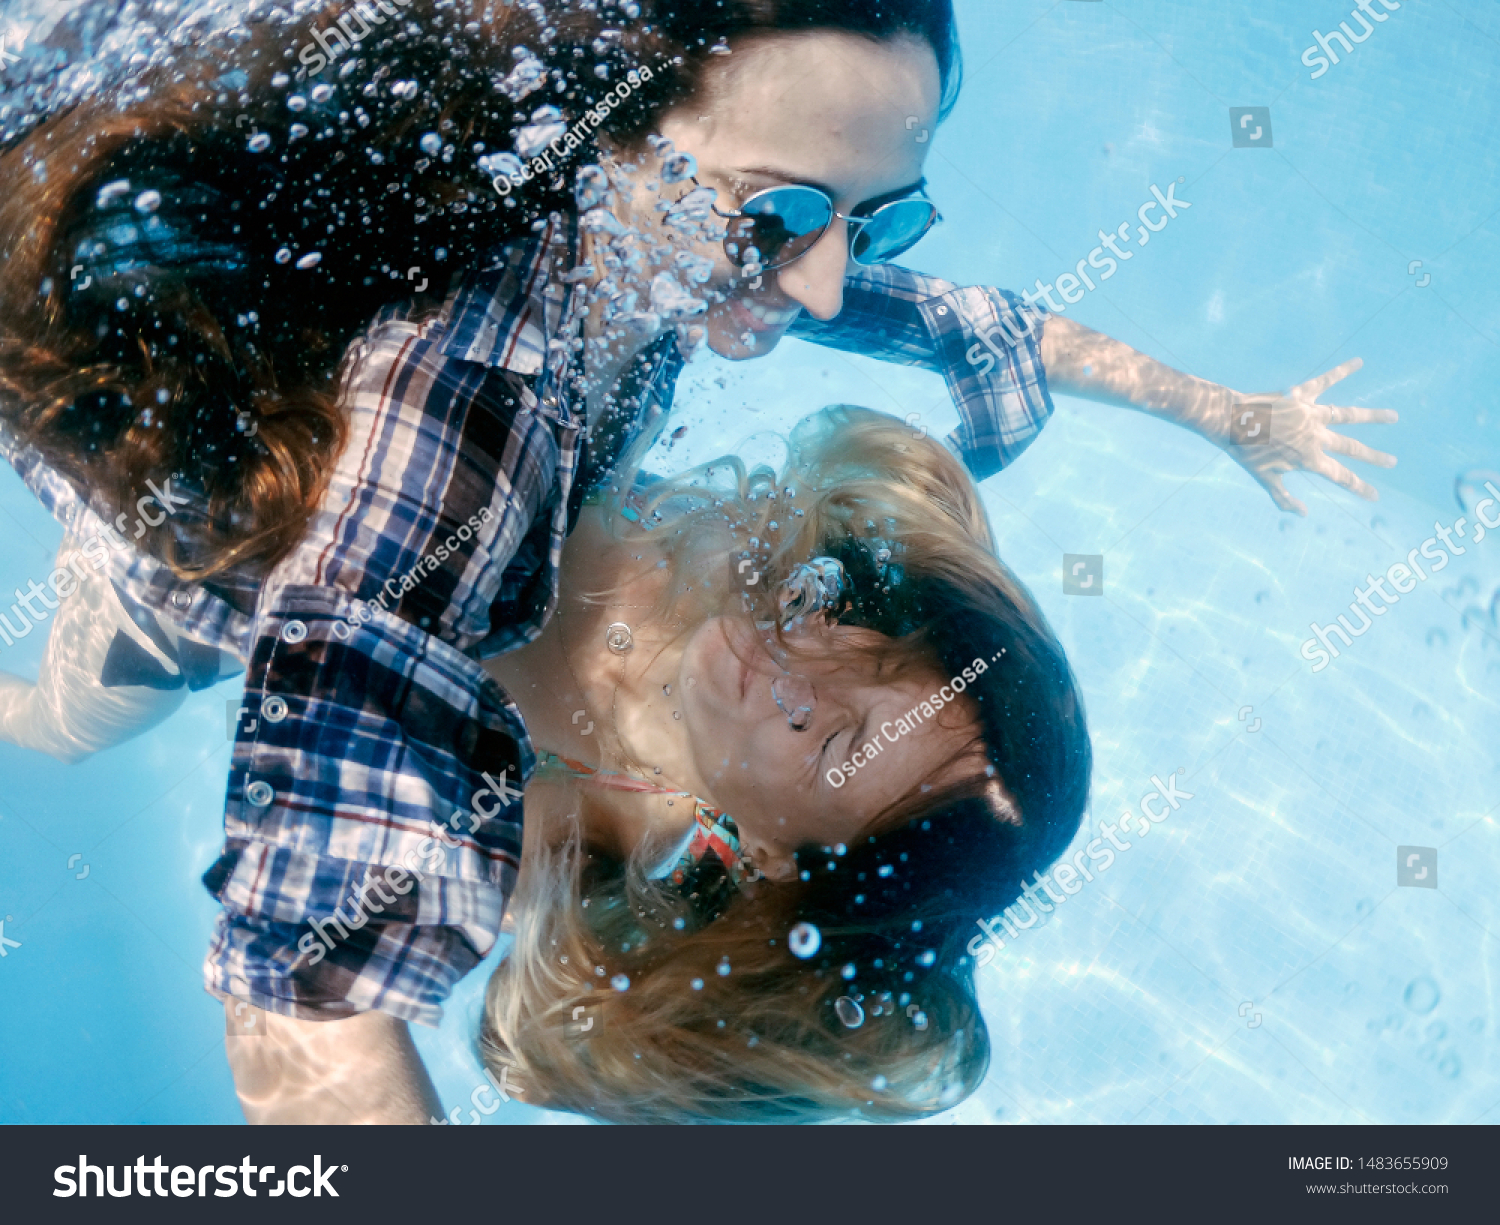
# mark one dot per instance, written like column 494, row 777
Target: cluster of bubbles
column 651, row 278
column 1421, row 998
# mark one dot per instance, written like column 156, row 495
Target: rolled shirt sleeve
column 373, row 821
column 986, row 343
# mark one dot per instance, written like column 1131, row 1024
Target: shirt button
column 274, row 709
column 260, row 794
column 293, row 631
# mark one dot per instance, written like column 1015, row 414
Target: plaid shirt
column 374, row 751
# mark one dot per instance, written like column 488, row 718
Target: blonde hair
column 717, row 1020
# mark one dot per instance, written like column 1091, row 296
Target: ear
column 774, row 865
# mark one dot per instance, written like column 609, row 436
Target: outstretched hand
column 1274, row 433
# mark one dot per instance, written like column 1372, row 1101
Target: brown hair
column 701, row 1017
column 159, row 318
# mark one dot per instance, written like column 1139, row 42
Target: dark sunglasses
column 776, row 226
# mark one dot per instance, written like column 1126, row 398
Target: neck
column 579, row 698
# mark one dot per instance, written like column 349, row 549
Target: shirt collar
column 514, row 315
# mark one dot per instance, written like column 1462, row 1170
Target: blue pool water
column 1253, row 959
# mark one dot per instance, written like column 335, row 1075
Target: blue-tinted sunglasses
column 776, row 226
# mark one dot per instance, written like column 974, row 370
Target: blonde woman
column 719, row 918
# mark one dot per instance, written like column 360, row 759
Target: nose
column 816, row 281
column 796, row 700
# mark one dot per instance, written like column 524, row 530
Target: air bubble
column 620, row 982
column 1422, row 995
column 311, row 260
column 804, row 940
column 321, row 93
column 111, row 192
column 679, row 166
column 850, row 1013
column 592, row 187
column 258, row 143
column 546, row 126
column 148, row 202
column 524, row 78
column 431, row 144
column 296, row 103
column 495, row 164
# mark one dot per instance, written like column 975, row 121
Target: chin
column 724, row 339
column 730, row 348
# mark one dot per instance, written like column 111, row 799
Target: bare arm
column 70, row 713
column 362, row 1069
column 1293, row 433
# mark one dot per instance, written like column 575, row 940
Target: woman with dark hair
column 586, row 192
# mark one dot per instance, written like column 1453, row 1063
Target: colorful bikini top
column 714, row 833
